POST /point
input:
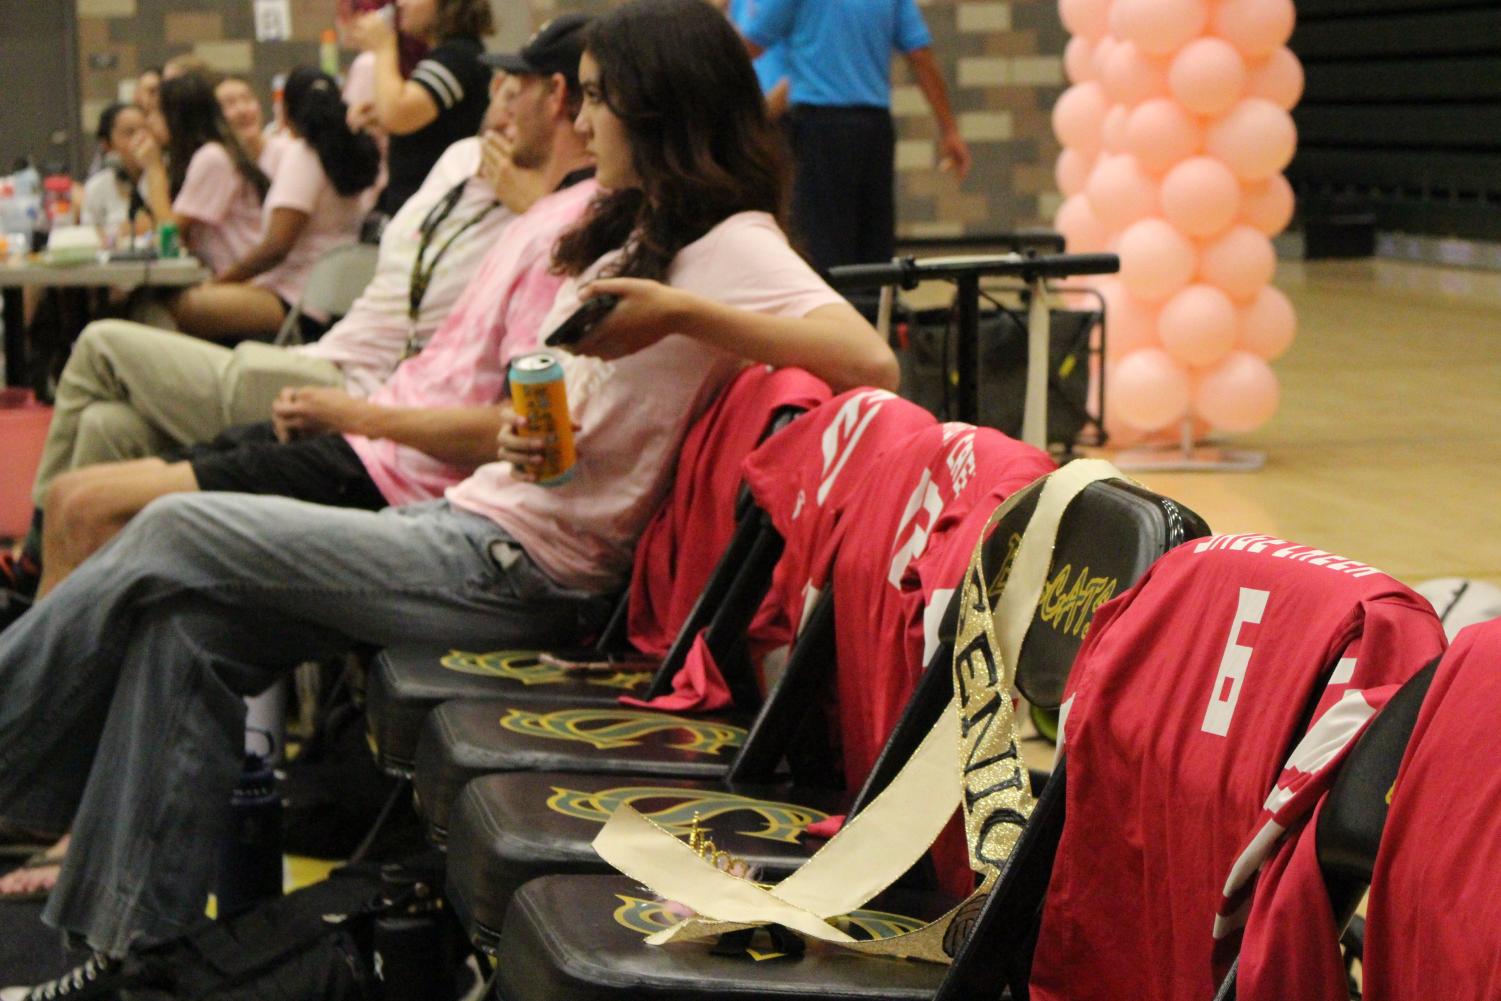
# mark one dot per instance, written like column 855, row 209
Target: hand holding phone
column 583, row 320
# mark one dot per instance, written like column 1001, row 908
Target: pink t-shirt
column 498, row 317
column 224, row 207
column 634, row 411
column 333, row 219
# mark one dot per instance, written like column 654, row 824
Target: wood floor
column 1387, row 445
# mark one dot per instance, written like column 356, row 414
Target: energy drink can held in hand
column 169, row 242
column 538, row 394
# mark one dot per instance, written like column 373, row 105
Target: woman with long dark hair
column 445, row 96
column 315, row 204
column 205, row 597
column 204, row 180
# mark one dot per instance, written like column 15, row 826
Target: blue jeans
column 121, row 710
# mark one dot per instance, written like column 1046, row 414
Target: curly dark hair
column 464, row 19
column 678, row 76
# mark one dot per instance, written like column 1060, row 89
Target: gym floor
column 1387, row 445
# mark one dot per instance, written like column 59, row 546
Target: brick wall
column 117, row 38
column 1002, row 60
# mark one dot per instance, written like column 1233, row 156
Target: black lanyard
column 422, row 271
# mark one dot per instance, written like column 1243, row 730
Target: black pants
column 843, row 198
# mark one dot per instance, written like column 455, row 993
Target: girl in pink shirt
column 204, row 180
column 314, row 204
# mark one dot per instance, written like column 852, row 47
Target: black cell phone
column 583, row 320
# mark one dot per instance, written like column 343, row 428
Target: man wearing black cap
column 545, row 74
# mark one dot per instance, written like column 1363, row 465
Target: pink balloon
column 1130, row 324
column 1268, row 324
column 1072, row 172
column 1078, row 60
column 1256, row 139
column 1267, row 205
column 1198, row 325
column 1239, row 394
column 1120, row 192
column 1158, row 26
column 1278, row 78
column 1148, row 390
column 1159, row 133
column 1079, row 116
column 1082, row 232
column 1130, row 76
column 1207, row 76
column 1156, row 259
column 1087, row 18
column 1113, row 129
column 1239, row 262
column 1255, row 27
column 1200, row 196
column 1103, row 48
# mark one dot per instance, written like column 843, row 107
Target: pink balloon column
column 1175, row 132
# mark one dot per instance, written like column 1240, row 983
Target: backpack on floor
column 321, row 943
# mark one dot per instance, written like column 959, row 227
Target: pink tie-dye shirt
column 498, row 317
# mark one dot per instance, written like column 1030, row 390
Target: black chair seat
column 596, row 953
column 464, row 740
column 507, row 829
column 407, row 683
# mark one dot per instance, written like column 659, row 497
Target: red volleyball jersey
column 685, row 539
column 1181, row 716
column 1433, row 924
column 801, row 476
column 904, row 510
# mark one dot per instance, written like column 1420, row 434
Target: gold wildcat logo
column 785, row 822
column 610, row 729
column 1068, row 608
column 523, row 667
column 647, row 917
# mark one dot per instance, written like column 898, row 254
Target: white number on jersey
column 844, row 433
column 925, row 498
column 1226, row 693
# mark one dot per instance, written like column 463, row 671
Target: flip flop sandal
column 41, row 860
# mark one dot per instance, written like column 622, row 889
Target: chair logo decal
column 784, row 822
column 522, row 666
column 651, row 916
column 1067, row 608
column 612, row 729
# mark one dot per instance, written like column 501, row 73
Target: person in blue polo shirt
column 843, row 141
column 771, row 65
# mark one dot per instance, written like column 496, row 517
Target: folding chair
column 1354, row 814
column 579, row 937
column 461, row 739
column 408, row 683
column 1433, row 920
column 1200, row 687
column 335, row 281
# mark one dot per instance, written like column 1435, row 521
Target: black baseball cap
column 555, row 48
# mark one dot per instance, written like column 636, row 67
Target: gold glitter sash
column 987, row 777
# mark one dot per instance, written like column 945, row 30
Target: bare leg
column 86, row 507
column 228, row 312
